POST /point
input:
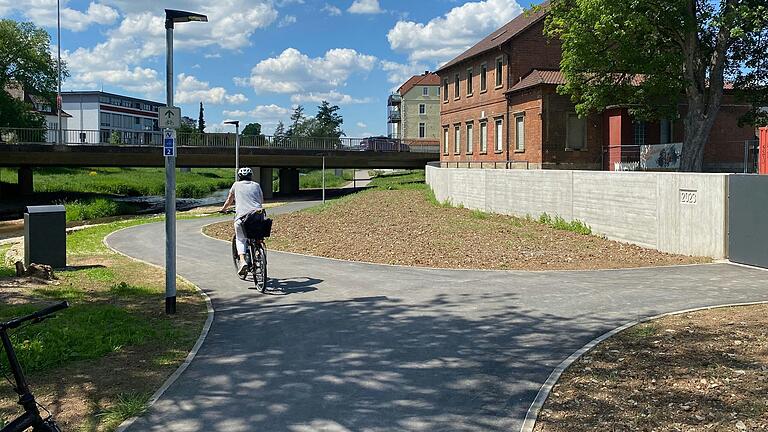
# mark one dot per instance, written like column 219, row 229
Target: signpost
column 170, row 117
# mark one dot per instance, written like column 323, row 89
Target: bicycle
column 255, row 260
column 31, row 417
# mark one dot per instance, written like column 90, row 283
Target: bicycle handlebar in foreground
column 12, row 324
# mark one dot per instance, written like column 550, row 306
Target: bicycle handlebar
column 12, row 324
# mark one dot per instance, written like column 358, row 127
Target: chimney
column 426, row 72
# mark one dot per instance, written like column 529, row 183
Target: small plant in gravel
column 127, row 406
column 559, row 223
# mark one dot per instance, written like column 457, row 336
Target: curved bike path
column 363, row 347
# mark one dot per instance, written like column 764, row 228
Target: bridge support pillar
column 289, row 181
column 26, row 185
column 264, row 177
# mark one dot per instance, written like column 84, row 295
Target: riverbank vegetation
column 98, row 362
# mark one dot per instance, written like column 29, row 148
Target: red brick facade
column 553, row 136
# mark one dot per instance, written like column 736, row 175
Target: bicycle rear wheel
column 260, row 266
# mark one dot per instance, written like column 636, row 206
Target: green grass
column 400, row 180
column 127, row 406
column 124, row 181
column 5, row 271
column 642, row 331
column 124, row 289
column 96, row 208
column 314, row 179
column 83, row 331
column 559, row 223
column 89, row 241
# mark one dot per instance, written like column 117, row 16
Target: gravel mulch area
column 702, row 371
column 404, row 227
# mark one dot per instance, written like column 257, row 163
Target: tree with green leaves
column 297, row 119
column 328, row 121
column 279, row 129
column 649, row 55
column 252, row 129
column 201, row 120
column 25, row 62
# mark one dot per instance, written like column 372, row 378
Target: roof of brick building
column 425, row 79
column 538, row 77
column 503, row 35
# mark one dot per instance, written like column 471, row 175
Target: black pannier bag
column 257, row 226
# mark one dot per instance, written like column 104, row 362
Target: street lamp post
column 58, row 67
column 172, row 17
column 237, row 144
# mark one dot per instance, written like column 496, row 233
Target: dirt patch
column 404, row 227
column 703, row 371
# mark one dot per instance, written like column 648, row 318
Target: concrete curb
column 538, row 403
column 469, row 269
column 192, row 354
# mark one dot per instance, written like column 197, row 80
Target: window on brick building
column 499, row 71
column 469, row 82
column 483, row 77
column 445, row 90
column 457, row 139
column 576, row 132
column 483, row 137
column 445, row 140
column 520, row 133
column 422, row 130
column 499, row 131
column 470, row 137
column 422, row 109
column 456, row 86
column 425, row 91
column 639, row 132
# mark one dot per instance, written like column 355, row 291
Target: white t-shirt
column 248, row 197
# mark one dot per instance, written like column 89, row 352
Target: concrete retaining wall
column 673, row 212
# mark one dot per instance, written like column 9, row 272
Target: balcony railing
column 395, row 116
column 213, row 140
column 394, row 99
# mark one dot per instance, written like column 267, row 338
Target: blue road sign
column 169, row 142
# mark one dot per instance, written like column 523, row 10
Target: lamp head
column 233, row 122
column 176, row 16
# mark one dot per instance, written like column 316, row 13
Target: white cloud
column 43, row 13
column 286, row 21
column 296, row 73
column 365, row 7
column 140, row 37
column 447, row 36
column 191, row 90
column 333, row 97
column 361, row 125
column 267, row 115
column 331, row 10
column 214, row 55
column 399, row 73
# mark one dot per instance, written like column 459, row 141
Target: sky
column 257, row 59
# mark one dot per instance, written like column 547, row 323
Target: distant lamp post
column 172, row 17
column 237, row 144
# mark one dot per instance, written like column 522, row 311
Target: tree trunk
column 698, row 124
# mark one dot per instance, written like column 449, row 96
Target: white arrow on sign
column 170, row 117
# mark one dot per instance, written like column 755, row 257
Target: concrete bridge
column 28, row 148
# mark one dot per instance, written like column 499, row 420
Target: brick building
column 500, row 108
column 414, row 110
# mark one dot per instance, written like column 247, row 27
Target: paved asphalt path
column 357, row 347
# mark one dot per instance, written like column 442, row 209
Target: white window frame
column 422, row 109
column 446, row 145
column 425, row 91
column 445, row 89
column 670, row 126
column 456, row 86
column 639, row 132
column 519, row 146
column 483, row 137
column 499, row 71
column 498, row 135
column 422, row 130
column 457, row 139
column 470, row 137
column 483, row 77
column 470, row 83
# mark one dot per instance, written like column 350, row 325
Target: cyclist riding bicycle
column 248, row 199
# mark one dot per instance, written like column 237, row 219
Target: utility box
column 763, row 151
column 45, row 236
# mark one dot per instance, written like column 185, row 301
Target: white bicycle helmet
column 244, row 172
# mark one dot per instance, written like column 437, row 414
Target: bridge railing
column 219, row 140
